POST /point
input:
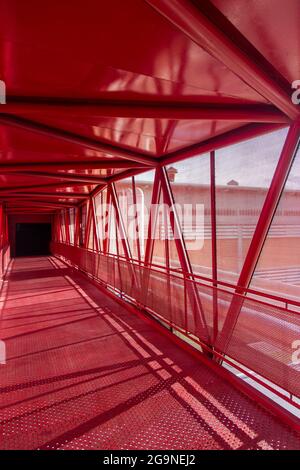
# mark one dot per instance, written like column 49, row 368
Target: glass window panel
column 243, row 174
column 278, row 269
column 63, row 227
column 190, row 183
column 144, row 187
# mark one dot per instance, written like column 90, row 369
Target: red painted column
column 67, row 226
column 214, row 244
column 137, row 228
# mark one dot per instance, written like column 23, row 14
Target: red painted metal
column 208, row 111
column 137, row 345
column 71, row 177
column 52, row 132
column 17, row 189
column 42, row 196
column 67, row 225
column 187, row 88
column 107, row 222
column 214, row 244
column 191, row 19
column 29, row 203
column 70, row 165
column 136, row 221
column 77, row 227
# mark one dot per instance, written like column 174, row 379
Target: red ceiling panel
column 117, row 53
column 272, row 26
column 92, row 49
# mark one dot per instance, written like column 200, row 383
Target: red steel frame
column 162, row 186
column 191, row 19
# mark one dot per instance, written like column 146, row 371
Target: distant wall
column 26, row 218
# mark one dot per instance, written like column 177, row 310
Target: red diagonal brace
column 182, row 254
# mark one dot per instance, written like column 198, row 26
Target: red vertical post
column 77, row 227
column 67, row 226
column 61, row 235
column 137, row 228
column 167, row 252
column 214, row 243
column 1, row 226
column 106, row 221
column 264, row 222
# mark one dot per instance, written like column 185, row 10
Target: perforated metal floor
column 84, row 373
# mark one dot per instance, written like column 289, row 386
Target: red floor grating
column 84, row 373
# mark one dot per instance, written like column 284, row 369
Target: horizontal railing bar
column 203, row 278
column 237, row 364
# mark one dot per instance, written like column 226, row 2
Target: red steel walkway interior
column 150, row 224
column 84, row 373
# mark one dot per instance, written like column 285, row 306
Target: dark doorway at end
column 33, row 239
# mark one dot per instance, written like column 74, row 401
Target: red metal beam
column 264, row 222
column 67, row 226
column 106, row 221
column 65, row 136
column 31, row 202
column 32, row 210
column 77, row 227
column 108, row 163
column 190, row 18
column 214, row 244
column 136, row 220
column 209, row 111
column 37, row 195
column 71, row 177
column 18, row 189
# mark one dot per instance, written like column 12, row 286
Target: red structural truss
column 165, row 103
